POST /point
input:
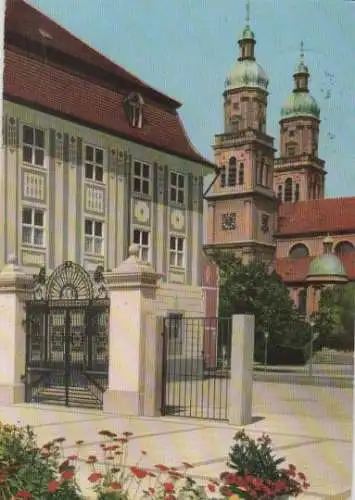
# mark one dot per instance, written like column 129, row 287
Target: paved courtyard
column 311, row 426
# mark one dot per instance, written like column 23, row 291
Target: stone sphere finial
column 133, row 250
column 12, row 259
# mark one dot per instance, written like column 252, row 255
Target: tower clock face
column 228, row 221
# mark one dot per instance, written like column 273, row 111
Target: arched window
column 288, row 190
column 302, row 301
column 298, row 251
column 223, row 176
column 241, row 174
column 279, row 192
column 344, row 247
column 232, row 172
column 297, row 192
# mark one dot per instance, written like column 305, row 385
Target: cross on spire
column 302, row 50
column 247, row 17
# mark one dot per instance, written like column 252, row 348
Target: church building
column 271, row 205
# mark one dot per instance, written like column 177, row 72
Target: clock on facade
column 141, row 211
column 177, row 219
column 229, row 221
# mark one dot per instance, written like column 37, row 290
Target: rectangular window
column 33, row 227
column 177, row 188
column 33, row 146
column 142, row 239
column 94, row 237
column 141, row 178
column 177, row 251
column 94, row 163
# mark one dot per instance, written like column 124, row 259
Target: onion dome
column 300, row 102
column 327, row 268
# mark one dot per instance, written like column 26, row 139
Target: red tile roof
column 295, row 270
column 332, row 215
column 87, row 87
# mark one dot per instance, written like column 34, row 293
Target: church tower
column 299, row 173
column 242, row 204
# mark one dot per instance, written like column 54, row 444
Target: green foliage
column 28, row 469
column 335, row 317
column 256, row 458
column 252, row 289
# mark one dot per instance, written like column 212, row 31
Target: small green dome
column 300, row 104
column 327, row 265
column 247, row 33
column 247, row 73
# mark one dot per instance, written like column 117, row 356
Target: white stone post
column 241, row 373
column 13, row 286
column 134, row 340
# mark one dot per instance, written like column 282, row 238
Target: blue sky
column 186, row 47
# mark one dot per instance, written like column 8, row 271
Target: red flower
column 161, row 467
column 301, row 476
column 79, row 442
column 73, row 457
column 91, row 459
column 211, row 487
column 53, row 486
column 127, row 434
column 151, row 490
column 115, row 485
column 168, row 487
column 143, row 452
column 23, row 494
column 139, row 473
column 94, row 477
column 68, row 474
column 187, row 465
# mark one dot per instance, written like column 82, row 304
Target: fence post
column 241, row 374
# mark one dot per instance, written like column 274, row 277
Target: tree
column 335, row 317
column 252, row 289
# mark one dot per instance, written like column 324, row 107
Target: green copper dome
column 247, row 73
column 326, row 265
column 247, row 33
column 300, row 104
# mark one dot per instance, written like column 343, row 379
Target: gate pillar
column 14, row 284
column 134, row 340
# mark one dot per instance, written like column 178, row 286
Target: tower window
column 265, row 227
column 279, row 192
column 297, row 192
column 291, row 149
column 232, row 172
column 291, row 133
column 288, row 190
column 241, row 174
column 223, row 176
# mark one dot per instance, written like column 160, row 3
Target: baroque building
column 274, row 208
column 94, row 160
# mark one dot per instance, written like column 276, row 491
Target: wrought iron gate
column 67, row 337
column 196, row 367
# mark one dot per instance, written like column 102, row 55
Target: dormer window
column 134, row 105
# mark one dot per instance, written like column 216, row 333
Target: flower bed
column 44, row 473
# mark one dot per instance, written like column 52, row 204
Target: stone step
column 78, row 396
